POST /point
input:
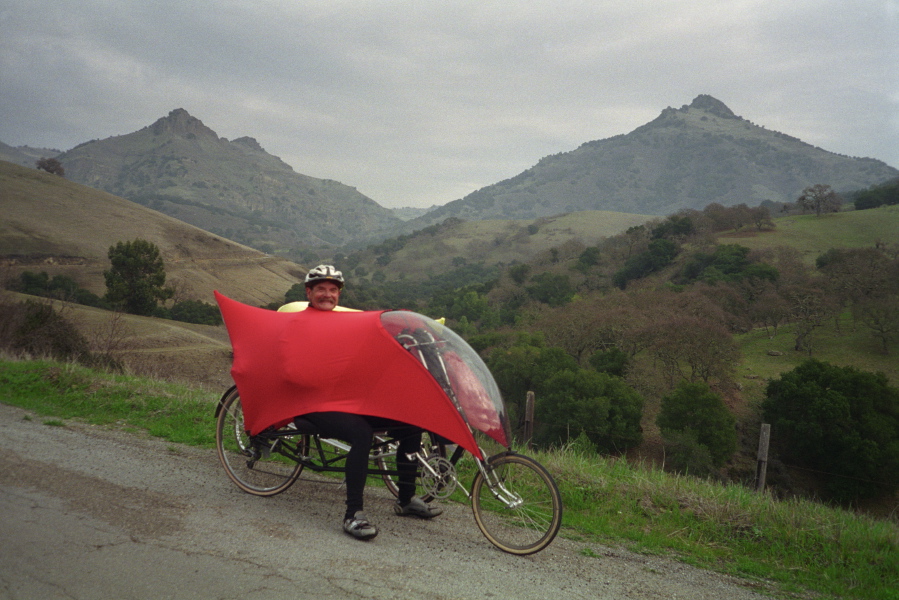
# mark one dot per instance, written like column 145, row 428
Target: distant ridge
column 25, row 156
column 179, row 166
column 689, row 157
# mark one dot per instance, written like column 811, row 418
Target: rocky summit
column 689, row 157
column 182, row 168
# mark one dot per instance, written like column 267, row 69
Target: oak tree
column 820, row 198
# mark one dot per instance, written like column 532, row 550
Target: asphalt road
column 91, row 513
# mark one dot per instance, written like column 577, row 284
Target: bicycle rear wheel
column 259, row 467
column 520, row 509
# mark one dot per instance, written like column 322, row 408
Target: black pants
column 357, row 430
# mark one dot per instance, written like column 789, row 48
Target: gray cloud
column 421, row 103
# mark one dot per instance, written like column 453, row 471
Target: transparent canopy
column 458, row 369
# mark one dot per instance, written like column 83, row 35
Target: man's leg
column 355, row 430
column 407, row 467
column 407, row 503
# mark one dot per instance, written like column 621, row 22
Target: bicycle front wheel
column 518, row 506
column 256, row 468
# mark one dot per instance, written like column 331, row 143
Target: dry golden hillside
column 53, row 225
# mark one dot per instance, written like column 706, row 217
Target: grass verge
column 792, row 548
column 170, row 411
column 800, row 546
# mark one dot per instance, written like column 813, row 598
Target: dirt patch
column 145, row 513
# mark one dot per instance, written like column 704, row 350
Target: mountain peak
column 180, row 122
column 249, row 142
column 712, row 105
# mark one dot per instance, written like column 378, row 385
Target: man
column 324, row 284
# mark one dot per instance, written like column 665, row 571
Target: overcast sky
column 421, row 103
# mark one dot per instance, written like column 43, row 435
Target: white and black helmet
column 324, row 273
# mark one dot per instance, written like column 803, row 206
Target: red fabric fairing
column 290, row 364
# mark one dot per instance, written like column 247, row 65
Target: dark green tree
column 196, row 311
column 887, row 193
column 296, row 293
column 694, row 411
column 473, row 307
column 659, row 254
column 61, row 287
column 685, row 454
column 728, row 262
column 51, row 165
column 519, row 273
column 840, row 421
column 551, row 289
column 587, row 259
column 136, row 280
column 33, row 284
column 612, row 361
column 581, row 401
column 523, row 368
column 673, row 227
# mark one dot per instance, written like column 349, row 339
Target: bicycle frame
column 320, row 460
column 328, row 455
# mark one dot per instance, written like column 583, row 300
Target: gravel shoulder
column 87, row 512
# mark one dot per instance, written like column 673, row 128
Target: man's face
column 323, row 296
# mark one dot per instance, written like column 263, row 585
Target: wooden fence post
column 762, row 467
column 529, row 419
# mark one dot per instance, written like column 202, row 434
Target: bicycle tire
column 253, row 472
column 530, row 525
column 387, row 462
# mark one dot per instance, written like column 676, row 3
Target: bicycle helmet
column 324, row 273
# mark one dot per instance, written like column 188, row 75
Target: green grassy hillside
column 840, row 342
column 488, row 243
column 812, row 236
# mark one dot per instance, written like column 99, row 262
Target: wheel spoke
column 256, row 466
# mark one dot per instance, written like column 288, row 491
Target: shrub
column 196, row 311
column 612, row 361
column 837, row 420
column 694, row 416
column 60, row 287
column 36, row 329
column 582, row 402
column 684, row 454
